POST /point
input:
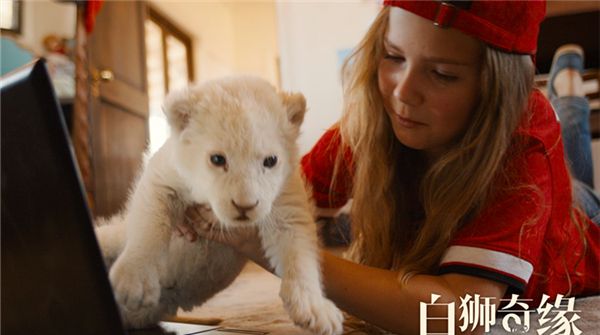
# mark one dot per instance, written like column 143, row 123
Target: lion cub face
column 235, row 144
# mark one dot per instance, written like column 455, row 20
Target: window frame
column 169, row 28
column 17, row 17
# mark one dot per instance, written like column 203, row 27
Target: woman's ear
column 178, row 109
column 295, row 104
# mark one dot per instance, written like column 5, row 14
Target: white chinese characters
column 475, row 311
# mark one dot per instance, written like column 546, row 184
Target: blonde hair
column 388, row 176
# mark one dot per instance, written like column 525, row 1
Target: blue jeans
column 574, row 115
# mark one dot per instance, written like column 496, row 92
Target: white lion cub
column 233, row 147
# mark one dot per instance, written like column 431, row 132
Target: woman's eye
column 218, row 160
column 445, row 77
column 270, row 161
column 394, row 58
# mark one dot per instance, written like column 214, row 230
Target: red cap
column 511, row 26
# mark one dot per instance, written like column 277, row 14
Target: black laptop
column 53, row 277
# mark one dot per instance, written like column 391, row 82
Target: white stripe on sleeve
column 490, row 259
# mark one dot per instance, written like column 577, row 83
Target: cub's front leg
column 293, row 251
column 135, row 275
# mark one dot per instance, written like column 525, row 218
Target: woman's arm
column 376, row 296
column 372, row 294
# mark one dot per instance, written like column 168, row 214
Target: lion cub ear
column 295, row 104
column 178, row 109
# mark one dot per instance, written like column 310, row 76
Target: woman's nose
column 407, row 88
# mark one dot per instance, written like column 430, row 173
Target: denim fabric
column 574, row 114
column 588, row 199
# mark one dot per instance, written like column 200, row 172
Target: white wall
column 255, row 39
column 210, row 24
column 310, row 35
column 229, row 37
column 44, row 17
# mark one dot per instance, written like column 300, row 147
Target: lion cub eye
column 270, row 161
column 218, row 160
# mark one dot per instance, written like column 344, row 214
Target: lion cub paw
column 135, row 287
column 312, row 311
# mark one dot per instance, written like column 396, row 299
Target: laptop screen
column 53, row 277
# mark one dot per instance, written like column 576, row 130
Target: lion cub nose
column 242, row 209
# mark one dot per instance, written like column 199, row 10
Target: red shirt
column 524, row 238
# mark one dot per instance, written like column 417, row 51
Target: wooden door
column 119, row 102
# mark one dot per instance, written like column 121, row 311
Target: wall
column 311, row 35
column 229, row 37
column 43, row 17
column 210, row 24
column 255, row 39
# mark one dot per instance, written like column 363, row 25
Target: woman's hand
column 200, row 221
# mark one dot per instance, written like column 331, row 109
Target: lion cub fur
column 233, row 147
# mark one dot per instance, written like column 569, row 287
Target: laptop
column 53, row 278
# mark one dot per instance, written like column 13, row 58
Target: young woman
column 455, row 166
